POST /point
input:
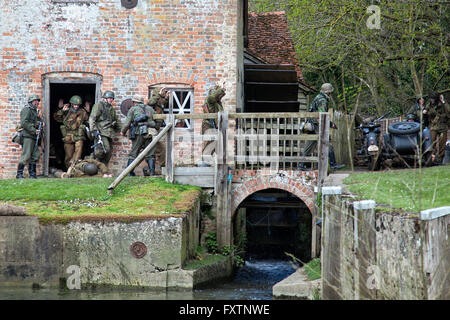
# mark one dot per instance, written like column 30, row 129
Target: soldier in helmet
column 159, row 101
column 72, row 116
column 417, row 111
column 30, row 121
column 320, row 104
column 141, row 125
column 103, row 124
column 86, row 167
column 213, row 104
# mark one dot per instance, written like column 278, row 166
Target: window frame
column 180, row 106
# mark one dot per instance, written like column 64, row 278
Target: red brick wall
column 194, row 43
column 299, row 183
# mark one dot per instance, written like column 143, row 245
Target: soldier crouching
column 141, row 126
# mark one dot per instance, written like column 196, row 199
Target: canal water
column 253, row 281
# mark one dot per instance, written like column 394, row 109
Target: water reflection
column 253, row 281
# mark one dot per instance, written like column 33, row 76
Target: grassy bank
column 412, row 190
column 136, row 198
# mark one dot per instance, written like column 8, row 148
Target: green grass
column 135, row 198
column 206, row 260
column 312, row 269
column 412, row 190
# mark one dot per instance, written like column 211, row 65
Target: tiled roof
column 269, row 38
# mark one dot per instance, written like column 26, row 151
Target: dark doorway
column 275, row 222
column 64, row 91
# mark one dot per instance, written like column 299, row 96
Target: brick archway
column 300, row 185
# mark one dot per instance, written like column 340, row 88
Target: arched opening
column 272, row 222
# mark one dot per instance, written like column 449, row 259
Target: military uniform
column 213, row 104
column 29, row 121
column 144, row 132
column 319, row 104
column 439, row 117
column 78, row 169
column 105, row 121
column 159, row 100
column 73, row 132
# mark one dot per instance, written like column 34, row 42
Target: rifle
column 99, row 142
column 38, row 137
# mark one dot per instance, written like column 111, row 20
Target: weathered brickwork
column 299, row 183
column 192, row 43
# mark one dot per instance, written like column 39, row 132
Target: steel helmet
column 90, row 168
column 33, row 97
column 108, row 94
column 137, row 98
column 308, row 127
column 326, row 88
column 76, row 100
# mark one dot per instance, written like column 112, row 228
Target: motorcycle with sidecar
column 407, row 143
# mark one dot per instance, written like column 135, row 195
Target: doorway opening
column 274, row 222
column 61, row 93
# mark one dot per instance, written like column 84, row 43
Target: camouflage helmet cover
column 90, row 168
column 76, row 100
column 108, row 94
column 33, row 97
column 326, row 88
column 137, row 98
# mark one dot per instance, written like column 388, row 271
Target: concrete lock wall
column 185, row 44
column 373, row 254
column 31, row 252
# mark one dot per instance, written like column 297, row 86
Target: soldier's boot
column 131, row 174
column 151, row 166
column 32, row 171
column 20, row 168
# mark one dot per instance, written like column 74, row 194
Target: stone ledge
column 296, row 286
column 435, row 213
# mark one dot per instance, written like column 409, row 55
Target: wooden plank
column 140, row 157
column 170, row 152
column 323, row 145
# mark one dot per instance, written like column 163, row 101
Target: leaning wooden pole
column 139, row 158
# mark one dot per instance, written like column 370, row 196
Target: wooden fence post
column 223, row 208
column 331, row 243
column 323, row 146
column 170, row 152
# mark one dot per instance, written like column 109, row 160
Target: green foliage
column 211, row 242
column 312, row 269
column 407, row 56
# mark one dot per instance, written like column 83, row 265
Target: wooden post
column 139, row 158
column 170, row 152
column 324, row 144
column 223, row 209
column 331, row 243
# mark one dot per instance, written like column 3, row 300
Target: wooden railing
column 257, row 140
column 260, row 140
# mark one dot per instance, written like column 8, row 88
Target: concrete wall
column 193, row 44
column 34, row 253
column 368, row 254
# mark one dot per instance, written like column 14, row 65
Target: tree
column 406, row 56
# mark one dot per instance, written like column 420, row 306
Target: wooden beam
column 139, row 158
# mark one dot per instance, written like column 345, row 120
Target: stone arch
column 295, row 186
column 162, row 77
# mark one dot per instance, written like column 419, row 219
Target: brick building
column 58, row 48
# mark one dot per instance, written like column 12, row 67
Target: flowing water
column 253, row 281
